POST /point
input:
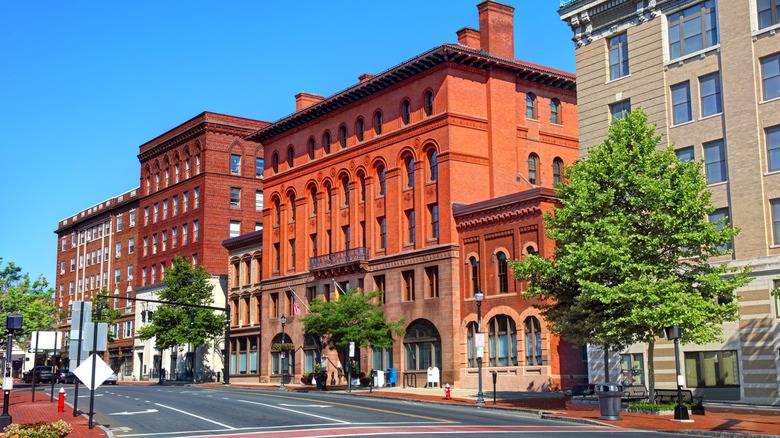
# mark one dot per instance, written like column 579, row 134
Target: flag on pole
column 296, row 309
column 339, row 291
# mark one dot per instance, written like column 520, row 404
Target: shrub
column 653, row 407
column 365, row 381
column 40, row 429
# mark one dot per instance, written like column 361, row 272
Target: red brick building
column 361, row 187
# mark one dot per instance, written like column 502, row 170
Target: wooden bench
column 670, row 396
column 635, row 393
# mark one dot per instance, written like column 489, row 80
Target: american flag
column 296, row 309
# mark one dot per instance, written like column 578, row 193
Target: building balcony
column 338, row 263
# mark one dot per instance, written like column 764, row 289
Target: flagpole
column 299, row 299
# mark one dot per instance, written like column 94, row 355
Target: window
column 433, row 213
column 503, row 279
column 131, row 245
column 290, row 157
column 62, row 267
column 259, row 164
column 277, row 212
column 632, row 369
column 235, row 164
column 174, row 236
column 155, row 241
column 715, row 161
column 474, row 275
column 380, row 174
column 326, row 142
column 196, row 192
column 175, row 205
column 618, row 56
column 422, row 346
column 409, row 167
column 258, row 200
column 775, row 203
column 345, row 232
column 146, row 245
column 311, row 148
column 128, row 329
column 185, row 201
column 432, row 282
column 408, row 285
column 359, row 129
column 313, row 246
column 768, row 13
column 709, row 87
column 381, row 358
column 277, row 257
column 291, row 203
column 773, row 148
column 132, row 218
column 770, row 76
column 275, row 162
column 130, row 273
column 555, row 111
column 345, row 191
column 313, row 200
column 502, row 341
column 329, row 193
column 235, row 197
column 292, row 255
column 693, row 29
column 681, row 103
column 711, row 369
column 362, row 179
column 184, row 234
column 378, row 123
column 165, row 209
column 117, row 275
column 194, row 231
column 433, row 165
column 620, row 110
column 722, row 214
column 406, row 110
column 531, row 106
column 410, row 227
column 533, row 165
column 471, row 332
column 72, row 264
column 428, row 103
column 775, row 287
column 383, row 232
column 118, row 228
column 557, row 171
column 343, row 136
column 533, row 341
column 235, row 228
column 118, row 250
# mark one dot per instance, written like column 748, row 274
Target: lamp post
column 675, row 332
column 13, row 323
column 478, row 296
column 283, row 319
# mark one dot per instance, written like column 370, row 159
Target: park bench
column 670, row 395
column 635, row 393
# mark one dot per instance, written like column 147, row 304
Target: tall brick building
column 707, row 73
column 360, row 189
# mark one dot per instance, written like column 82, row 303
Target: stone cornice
column 504, row 209
column 190, row 134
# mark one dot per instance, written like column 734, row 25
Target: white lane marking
column 305, row 406
column 196, row 416
column 297, row 412
column 148, row 411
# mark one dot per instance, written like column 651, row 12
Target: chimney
column 304, row 100
column 364, row 77
column 468, row 37
column 496, row 29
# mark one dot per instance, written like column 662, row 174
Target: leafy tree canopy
column 176, row 323
column 353, row 317
column 108, row 314
column 32, row 299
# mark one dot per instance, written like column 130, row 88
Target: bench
column 670, row 396
column 634, row 393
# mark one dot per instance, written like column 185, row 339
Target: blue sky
column 84, row 83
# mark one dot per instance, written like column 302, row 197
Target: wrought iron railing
column 353, row 255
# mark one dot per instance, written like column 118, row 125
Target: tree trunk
column 651, row 369
column 606, row 363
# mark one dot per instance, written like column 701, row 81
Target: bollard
column 447, row 395
column 61, row 401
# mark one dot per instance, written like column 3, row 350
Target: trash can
column 610, row 395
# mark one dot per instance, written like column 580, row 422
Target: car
column 41, row 373
column 112, row 379
column 66, row 376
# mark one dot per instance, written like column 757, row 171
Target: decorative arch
column 530, row 247
column 236, row 147
column 422, row 346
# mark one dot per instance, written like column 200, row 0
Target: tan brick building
column 707, row 73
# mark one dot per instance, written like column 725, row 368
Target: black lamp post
column 478, row 296
column 283, row 319
column 13, row 323
column 675, row 332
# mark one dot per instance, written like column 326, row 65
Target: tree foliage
column 177, row 323
column 353, row 317
column 32, row 299
column 633, row 247
column 108, row 314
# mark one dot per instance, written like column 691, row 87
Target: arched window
column 380, row 174
column 533, row 341
column 406, row 111
column 502, row 341
column 345, row 191
column 555, row 111
column 176, row 169
column 433, row 165
column 326, row 142
column 343, row 136
column 329, row 191
column 474, row 275
column 197, row 162
column 311, row 148
column 362, row 188
column 291, row 203
column 428, row 103
column 187, row 163
column 471, row 332
column 275, row 162
column 557, row 171
column 359, row 128
column 277, row 362
column 409, row 167
column 290, row 157
column 533, row 168
column 503, row 279
column 422, row 345
column 531, row 109
column 277, row 212
column 313, row 198
column 378, row 122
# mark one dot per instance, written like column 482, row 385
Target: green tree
column 108, row 314
column 633, row 248
column 177, row 323
column 353, row 317
column 33, row 299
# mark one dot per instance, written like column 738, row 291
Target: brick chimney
column 304, row 100
column 364, row 77
column 468, row 37
column 496, row 29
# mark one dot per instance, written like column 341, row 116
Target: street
column 189, row 411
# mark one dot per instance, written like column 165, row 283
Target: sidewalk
column 22, row 409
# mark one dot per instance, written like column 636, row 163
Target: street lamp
column 283, row 319
column 675, row 332
column 478, row 296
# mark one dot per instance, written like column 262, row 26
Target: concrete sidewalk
column 22, row 409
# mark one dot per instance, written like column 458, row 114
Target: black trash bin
column 610, row 395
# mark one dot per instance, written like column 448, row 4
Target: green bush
column 654, row 407
column 40, row 429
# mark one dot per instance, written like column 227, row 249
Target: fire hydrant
column 61, row 401
column 447, row 392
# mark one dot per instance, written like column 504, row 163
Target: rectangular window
column 185, row 201
column 154, row 273
column 131, row 245
column 235, row 228
column 379, row 284
column 433, row 212
column 410, row 227
column 143, row 276
column 775, row 203
column 235, row 164
column 164, row 240
column 708, row 369
column 382, row 232
column 235, row 197
column 146, row 216
column 174, row 236
column 118, row 223
column 197, row 197
column 681, row 103
column 693, row 29
column 258, row 200
column 184, row 234
column 62, row 267
column 716, row 216
column 313, row 244
column 194, row 231
column 130, row 273
column 156, row 212
column 711, row 102
column 620, row 110
column 345, row 231
column 292, row 254
column 768, row 12
column 277, row 257
column 155, row 241
column 432, row 282
column 132, row 218
column 715, row 161
column 146, row 245
column 117, row 275
column 72, row 264
column 618, row 56
column 770, row 76
column 118, row 251
column 259, row 163
column 773, row 148
column 165, row 209
column 408, row 285
column 175, row 205
column 274, row 305
column 128, row 326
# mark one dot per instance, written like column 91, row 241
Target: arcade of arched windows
column 511, row 339
column 179, row 165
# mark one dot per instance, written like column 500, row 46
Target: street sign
column 84, row 372
column 351, row 349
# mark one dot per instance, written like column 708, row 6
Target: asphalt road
column 192, row 411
